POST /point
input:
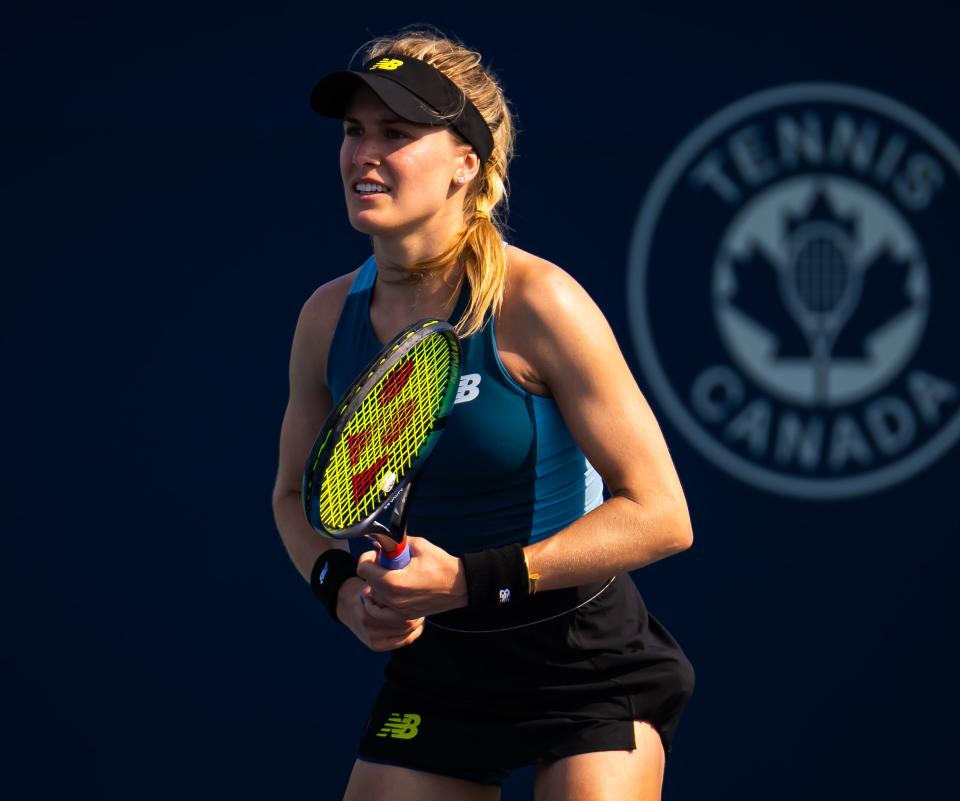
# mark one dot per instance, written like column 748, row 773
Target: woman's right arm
column 307, row 408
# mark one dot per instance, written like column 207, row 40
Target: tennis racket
column 359, row 472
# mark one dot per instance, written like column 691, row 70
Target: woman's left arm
column 573, row 351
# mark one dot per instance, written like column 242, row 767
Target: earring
column 460, row 179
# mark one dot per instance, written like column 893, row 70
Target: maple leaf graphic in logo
column 818, row 296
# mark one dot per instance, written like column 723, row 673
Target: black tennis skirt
column 478, row 696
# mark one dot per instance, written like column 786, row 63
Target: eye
column 396, row 133
column 352, row 130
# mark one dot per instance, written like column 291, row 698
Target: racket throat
column 398, row 512
column 391, row 539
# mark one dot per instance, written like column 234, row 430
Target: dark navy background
column 169, row 202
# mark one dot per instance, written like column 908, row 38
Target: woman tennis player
column 516, row 635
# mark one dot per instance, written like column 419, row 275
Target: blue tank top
column 505, row 470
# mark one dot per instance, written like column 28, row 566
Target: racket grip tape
column 398, row 558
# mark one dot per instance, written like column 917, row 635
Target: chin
column 363, row 221
column 370, row 227
column 374, row 225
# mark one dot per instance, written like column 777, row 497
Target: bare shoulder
column 542, row 302
column 530, row 273
column 322, row 309
column 540, row 292
column 317, row 324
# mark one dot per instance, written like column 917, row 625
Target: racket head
column 382, row 430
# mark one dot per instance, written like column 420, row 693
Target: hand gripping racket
column 378, row 436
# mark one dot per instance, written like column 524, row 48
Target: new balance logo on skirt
column 401, row 727
column 469, row 387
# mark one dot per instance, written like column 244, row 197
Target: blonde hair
column 479, row 247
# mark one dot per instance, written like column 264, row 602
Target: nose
column 365, row 151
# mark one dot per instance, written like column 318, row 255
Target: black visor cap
column 413, row 90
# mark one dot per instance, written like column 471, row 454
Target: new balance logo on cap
column 469, row 387
column 401, row 727
column 387, row 64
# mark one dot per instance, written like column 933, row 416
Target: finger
column 411, row 637
column 391, row 643
column 376, row 608
column 382, row 635
column 387, row 626
column 394, row 623
column 379, row 606
column 389, row 635
column 399, row 627
column 373, row 599
column 368, row 568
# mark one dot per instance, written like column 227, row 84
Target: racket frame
column 322, row 450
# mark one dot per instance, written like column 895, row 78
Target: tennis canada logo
column 793, row 284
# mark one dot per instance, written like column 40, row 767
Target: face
column 417, row 165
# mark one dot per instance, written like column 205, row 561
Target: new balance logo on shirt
column 469, row 387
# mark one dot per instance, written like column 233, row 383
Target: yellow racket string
column 386, row 437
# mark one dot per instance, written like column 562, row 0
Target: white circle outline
column 642, row 237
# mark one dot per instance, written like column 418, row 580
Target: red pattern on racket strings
column 357, row 443
column 396, row 381
column 398, row 422
column 363, row 480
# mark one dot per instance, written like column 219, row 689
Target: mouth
column 370, row 189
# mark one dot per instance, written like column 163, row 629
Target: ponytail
column 480, row 246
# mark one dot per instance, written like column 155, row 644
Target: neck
column 403, row 283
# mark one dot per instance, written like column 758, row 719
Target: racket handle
column 394, row 553
column 396, row 559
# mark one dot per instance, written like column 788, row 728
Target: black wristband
column 496, row 577
column 329, row 572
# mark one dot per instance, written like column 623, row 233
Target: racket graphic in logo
column 852, row 284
